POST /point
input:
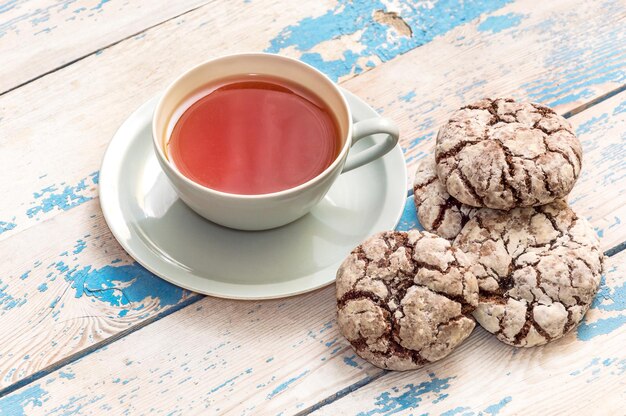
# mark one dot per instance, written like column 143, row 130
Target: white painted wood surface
column 72, row 174
column 283, row 356
column 288, row 356
column 39, row 36
column 87, row 101
column 67, row 288
column 582, row 374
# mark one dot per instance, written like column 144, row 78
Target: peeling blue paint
column 67, row 375
column 408, row 96
column 576, row 68
column 51, row 197
column 16, row 404
column 496, row 24
column 494, row 409
column 621, row 108
column 328, row 325
column 6, row 226
column 7, row 301
column 426, row 20
column 55, row 302
column 350, row 361
column 80, row 246
column 395, row 401
column 98, row 6
column 24, row 275
column 409, row 220
column 230, row 380
column 7, row 6
column 599, row 367
column 420, row 139
column 42, row 287
column 591, row 124
column 587, row 331
column 121, row 285
column 610, row 299
column 285, row 385
column 456, row 411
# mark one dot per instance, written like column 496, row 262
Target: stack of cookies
column 501, row 246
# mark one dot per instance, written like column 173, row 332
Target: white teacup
column 265, row 211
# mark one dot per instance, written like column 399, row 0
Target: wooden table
column 85, row 330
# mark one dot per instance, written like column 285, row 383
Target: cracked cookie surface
column 437, row 211
column 502, row 154
column 538, row 270
column 404, row 299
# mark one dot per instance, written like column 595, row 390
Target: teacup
column 270, row 210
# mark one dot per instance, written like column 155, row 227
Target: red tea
column 254, row 135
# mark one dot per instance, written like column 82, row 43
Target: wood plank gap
column 80, row 58
column 193, row 299
column 364, row 382
column 83, row 353
column 617, row 249
column 197, row 297
column 341, row 393
column 593, row 102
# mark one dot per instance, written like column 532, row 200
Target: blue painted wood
column 85, row 279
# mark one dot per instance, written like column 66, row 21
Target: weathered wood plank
column 88, row 100
column 281, row 356
column 53, row 131
column 600, row 193
column 93, row 109
column 305, row 350
column 583, row 373
column 39, row 36
column 75, row 287
column 559, row 54
column 78, row 196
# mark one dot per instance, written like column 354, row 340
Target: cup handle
column 366, row 128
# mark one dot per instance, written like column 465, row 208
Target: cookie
column 405, row 299
column 503, row 154
column 437, row 211
column 538, row 270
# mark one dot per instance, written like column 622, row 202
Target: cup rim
column 285, row 192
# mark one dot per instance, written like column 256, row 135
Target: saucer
column 161, row 233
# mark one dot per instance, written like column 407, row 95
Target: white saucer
column 162, row 234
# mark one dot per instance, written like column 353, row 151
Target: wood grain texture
column 279, row 356
column 55, row 130
column 558, row 54
column 282, row 356
column 69, row 188
column 581, row 374
column 67, row 286
column 65, row 281
column 39, row 36
column 84, row 103
column 600, row 193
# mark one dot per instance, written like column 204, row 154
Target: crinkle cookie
column 503, row 154
column 437, row 211
column 405, row 299
column 538, row 270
